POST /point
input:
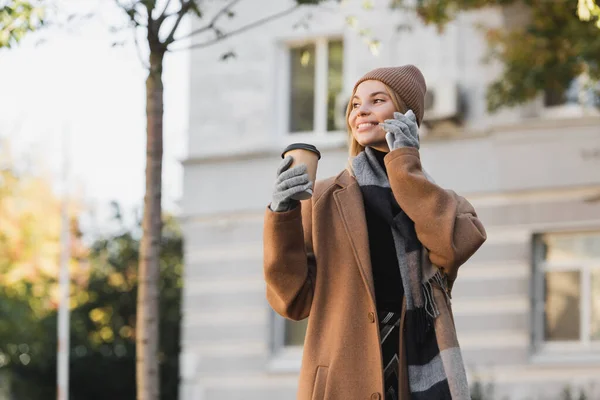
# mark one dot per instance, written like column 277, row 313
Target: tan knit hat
column 407, row 81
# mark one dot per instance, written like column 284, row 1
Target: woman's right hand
column 288, row 183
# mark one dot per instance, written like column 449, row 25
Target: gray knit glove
column 402, row 131
column 288, row 183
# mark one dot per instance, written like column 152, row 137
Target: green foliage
column 546, row 55
column 440, row 12
column 18, row 18
column 542, row 55
column 102, row 326
column 588, row 10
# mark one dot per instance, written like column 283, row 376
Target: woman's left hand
column 402, row 131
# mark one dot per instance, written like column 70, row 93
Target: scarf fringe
column 423, row 317
column 440, row 280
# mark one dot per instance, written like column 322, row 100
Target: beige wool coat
column 317, row 266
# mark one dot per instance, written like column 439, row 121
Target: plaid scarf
column 435, row 367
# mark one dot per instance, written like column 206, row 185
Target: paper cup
column 306, row 154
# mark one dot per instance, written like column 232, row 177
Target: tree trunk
column 147, row 368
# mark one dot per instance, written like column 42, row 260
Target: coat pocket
column 320, row 383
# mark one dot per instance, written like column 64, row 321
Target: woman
column 371, row 258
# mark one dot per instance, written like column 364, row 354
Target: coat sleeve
column 289, row 260
column 446, row 223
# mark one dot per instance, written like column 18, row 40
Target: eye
column 378, row 101
column 354, row 105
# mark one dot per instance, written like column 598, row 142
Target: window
column 315, row 84
column 567, row 292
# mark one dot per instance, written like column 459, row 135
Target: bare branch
column 223, row 36
column 139, row 50
column 186, row 5
column 163, row 15
column 213, row 21
column 132, row 13
column 167, row 16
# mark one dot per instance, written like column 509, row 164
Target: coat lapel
column 350, row 205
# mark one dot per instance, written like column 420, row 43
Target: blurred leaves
column 543, row 45
column 588, row 10
column 29, row 253
column 19, row 17
column 103, row 298
column 367, row 4
column 29, row 237
column 104, row 327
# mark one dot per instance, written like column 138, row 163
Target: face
column 371, row 105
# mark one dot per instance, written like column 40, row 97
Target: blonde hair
column 354, row 148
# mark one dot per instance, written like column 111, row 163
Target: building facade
column 527, row 305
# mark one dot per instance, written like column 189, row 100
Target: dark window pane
column 295, row 332
column 302, row 88
column 595, row 323
column 334, row 81
column 562, row 309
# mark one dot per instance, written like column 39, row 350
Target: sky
column 75, row 91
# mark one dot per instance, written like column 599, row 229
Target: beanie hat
column 407, row 81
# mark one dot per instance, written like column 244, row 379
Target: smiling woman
column 372, row 103
column 370, row 260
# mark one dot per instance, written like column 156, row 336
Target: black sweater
column 386, row 274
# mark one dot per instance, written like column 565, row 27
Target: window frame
column 320, row 134
column 584, row 349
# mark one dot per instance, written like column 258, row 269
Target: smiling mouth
column 366, row 125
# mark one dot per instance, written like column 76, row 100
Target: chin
column 376, row 144
column 370, row 141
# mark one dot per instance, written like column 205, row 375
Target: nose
column 363, row 109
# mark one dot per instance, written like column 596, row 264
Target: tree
column 541, row 55
column 18, row 18
column 103, row 325
column 160, row 22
